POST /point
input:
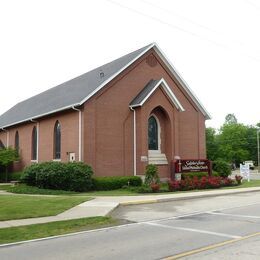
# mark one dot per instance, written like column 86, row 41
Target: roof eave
column 116, row 74
column 181, row 81
column 39, row 116
column 169, row 93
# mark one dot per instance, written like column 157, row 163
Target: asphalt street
column 222, row 227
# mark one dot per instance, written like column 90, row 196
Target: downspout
column 134, row 140
column 80, row 132
column 38, row 133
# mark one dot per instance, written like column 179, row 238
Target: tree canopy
column 7, row 157
column 234, row 142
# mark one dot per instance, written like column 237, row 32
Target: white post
column 258, row 153
column 134, row 141
column 80, row 132
column 38, row 133
column 7, row 139
column 80, row 135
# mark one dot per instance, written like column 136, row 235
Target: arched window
column 16, row 142
column 152, row 133
column 34, row 143
column 57, row 140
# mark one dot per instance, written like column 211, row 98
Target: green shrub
column 223, row 168
column 151, row 174
column 191, row 175
column 16, row 176
column 29, row 173
column 72, row 176
column 115, row 182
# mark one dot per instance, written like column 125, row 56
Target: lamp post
column 258, row 152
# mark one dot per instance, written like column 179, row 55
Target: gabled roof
column 149, row 89
column 78, row 90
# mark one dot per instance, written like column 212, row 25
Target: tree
column 7, row 157
column 230, row 119
column 233, row 143
column 211, row 144
column 252, row 142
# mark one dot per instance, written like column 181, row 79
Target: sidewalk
column 103, row 205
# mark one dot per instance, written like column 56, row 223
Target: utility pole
column 258, row 152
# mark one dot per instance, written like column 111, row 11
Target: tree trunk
column 6, row 173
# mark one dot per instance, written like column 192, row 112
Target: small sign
column 245, row 171
column 144, row 158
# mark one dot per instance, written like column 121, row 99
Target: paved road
column 168, row 229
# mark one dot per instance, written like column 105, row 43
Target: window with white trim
column 57, row 141
column 16, row 141
column 153, row 134
column 34, row 143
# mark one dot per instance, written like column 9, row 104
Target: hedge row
column 72, row 176
column 202, row 183
column 13, row 176
column 75, row 176
column 198, row 175
column 116, row 182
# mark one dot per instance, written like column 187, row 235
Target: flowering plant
column 239, row 179
column 206, row 182
column 155, row 187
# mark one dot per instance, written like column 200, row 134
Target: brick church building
column 117, row 118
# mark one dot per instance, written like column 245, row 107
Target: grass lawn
column 246, row 184
column 14, row 234
column 24, row 189
column 22, row 206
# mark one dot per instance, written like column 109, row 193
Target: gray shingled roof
column 144, row 92
column 148, row 90
column 71, row 93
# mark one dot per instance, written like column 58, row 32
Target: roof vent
column 151, row 60
column 101, row 74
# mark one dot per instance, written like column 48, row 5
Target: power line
column 181, row 29
column 180, row 16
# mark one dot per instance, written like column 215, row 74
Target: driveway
column 168, row 229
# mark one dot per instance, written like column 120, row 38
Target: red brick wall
column 108, row 124
column 69, row 138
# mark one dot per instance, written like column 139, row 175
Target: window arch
column 34, row 143
column 153, row 133
column 57, row 140
column 16, row 141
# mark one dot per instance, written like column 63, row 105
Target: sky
column 213, row 44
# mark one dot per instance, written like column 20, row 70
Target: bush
column 222, row 167
column 202, row 183
column 115, row 182
column 238, row 179
column 29, row 173
column 193, row 174
column 151, row 174
column 72, row 176
column 16, row 176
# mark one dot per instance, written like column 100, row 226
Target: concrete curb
column 187, row 197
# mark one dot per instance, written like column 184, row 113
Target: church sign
column 195, row 165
